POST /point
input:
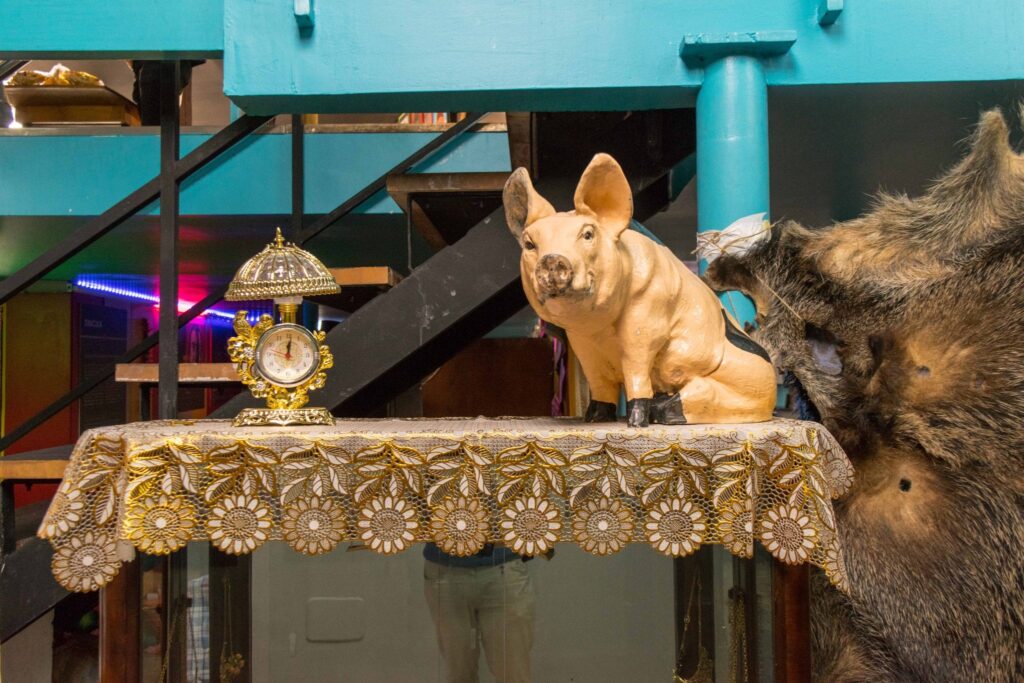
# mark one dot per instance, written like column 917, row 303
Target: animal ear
column 604, row 192
column 523, row 205
column 727, row 273
column 989, row 167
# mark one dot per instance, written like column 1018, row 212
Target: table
column 389, row 483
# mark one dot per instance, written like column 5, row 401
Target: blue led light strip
column 183, row 306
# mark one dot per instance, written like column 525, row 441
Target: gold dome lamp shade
column 285, row 273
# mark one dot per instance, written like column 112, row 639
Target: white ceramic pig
column 635, row 315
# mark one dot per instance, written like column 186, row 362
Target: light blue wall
column 76, row 175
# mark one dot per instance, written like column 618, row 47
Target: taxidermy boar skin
column 907, row 336
column 634, row 314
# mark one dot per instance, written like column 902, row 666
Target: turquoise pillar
column 732, row 131
column 732, row 152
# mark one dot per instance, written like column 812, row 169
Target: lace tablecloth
column 461, row 483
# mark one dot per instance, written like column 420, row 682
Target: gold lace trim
column 460, row 483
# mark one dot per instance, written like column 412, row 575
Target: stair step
column 444, row 206
column 41, row 465
column 358, row 286
column 188, row 373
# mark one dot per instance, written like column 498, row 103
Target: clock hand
column 288, row 350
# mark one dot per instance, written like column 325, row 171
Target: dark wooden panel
column 120, row 611
column 791, row 623
column 493, row 377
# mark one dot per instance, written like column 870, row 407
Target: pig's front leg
column 600, row 411
column 636, row 374
column 604, row 386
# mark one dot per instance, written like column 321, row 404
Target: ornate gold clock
column 281, row 362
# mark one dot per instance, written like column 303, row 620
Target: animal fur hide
column 905, row 328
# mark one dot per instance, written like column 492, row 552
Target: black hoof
column 637, row 412
column 600, row 411
column 667, row 409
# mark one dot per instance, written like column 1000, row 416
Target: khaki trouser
column 488, row 605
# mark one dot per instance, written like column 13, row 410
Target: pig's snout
column 554, row 274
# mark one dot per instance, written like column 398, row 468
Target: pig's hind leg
column 741, row 390
column 702, row 400
column 667, row 409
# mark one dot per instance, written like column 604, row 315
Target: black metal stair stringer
column 459, row 294
column 27, row 586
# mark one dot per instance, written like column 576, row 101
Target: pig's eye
column 529, row 246
column 588, row 234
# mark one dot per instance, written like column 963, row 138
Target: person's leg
column 448, row 591
column 506, row 620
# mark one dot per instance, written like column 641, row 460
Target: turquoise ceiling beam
column 111, row 29
column 255, row 178
column 415, row 55
column 443, row 55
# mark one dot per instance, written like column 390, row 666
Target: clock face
column 287, row 355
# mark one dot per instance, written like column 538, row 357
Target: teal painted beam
column 110, row 29
column 443, row 55
column 732, row 152
column 251, row 179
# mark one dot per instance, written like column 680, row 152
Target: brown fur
column 923, row 300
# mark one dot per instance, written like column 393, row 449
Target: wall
column 37, row 366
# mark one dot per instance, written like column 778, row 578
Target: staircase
column 471, row 284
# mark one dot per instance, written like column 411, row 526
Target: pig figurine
column 635, row 315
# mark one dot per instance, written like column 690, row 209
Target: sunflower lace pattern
column 387, row 484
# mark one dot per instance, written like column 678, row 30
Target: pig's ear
column 604, row 192
column 523, row 205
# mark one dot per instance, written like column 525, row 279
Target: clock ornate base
column 261, row 417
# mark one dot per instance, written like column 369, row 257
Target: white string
column 709, row 239
column 712, row 239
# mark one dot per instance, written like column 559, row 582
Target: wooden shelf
column 188, row 373
column 45, row 464
column 359, row 286
column 366, row 276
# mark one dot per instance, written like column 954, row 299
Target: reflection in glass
column 485, row 601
